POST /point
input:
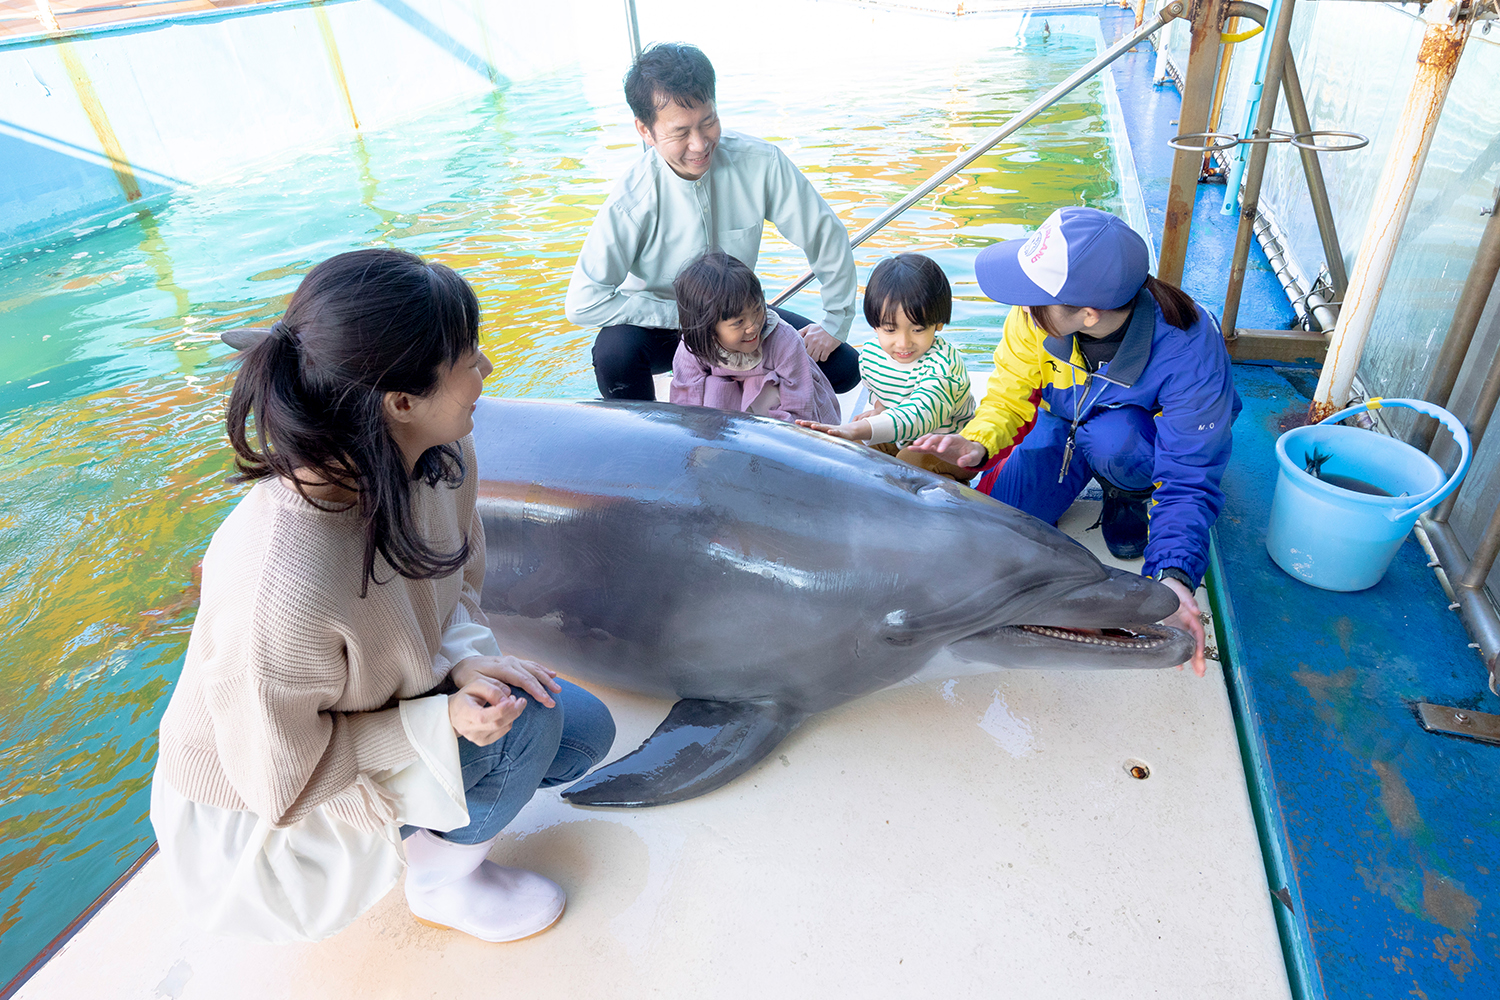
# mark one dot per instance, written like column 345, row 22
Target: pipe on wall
column 1471, row 300
column 1447, row 29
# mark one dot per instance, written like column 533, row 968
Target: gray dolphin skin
column 759, row 573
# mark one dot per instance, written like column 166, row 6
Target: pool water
column 112, row 377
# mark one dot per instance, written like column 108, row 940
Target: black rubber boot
column 1124, row 521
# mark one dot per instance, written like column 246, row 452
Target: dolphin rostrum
column 760, row 573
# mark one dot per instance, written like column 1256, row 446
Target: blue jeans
column 1118, row 445
column 545, row 747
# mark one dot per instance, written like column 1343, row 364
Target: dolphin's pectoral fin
column 699, row 746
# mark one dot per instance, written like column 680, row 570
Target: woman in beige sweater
column 343, row 700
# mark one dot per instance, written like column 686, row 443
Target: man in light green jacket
column 697, row 186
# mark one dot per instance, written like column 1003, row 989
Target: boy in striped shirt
column 917, row 380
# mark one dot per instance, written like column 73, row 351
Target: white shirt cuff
column 462, row 640
column 882, row 428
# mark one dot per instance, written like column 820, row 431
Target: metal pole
column 1221, row 82
column 1483, row 559
column 1465, row 321
column 974, row 152
column 1479, row 615
column 1317, row 190
column 45, row 16
column 1296, row 107
column 1437, row 61
column 1478, row 423
column 634, row 27
column 1256, row 167
column 1187, row 165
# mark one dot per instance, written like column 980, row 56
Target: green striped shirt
column 927, row 396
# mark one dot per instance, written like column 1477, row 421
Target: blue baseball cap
column 1077, row 257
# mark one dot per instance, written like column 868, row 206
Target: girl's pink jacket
column 804, row 390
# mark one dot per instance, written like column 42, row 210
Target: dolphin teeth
column 1127, row 638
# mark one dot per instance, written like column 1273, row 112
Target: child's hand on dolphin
column 954, row 448
column 849, row 432
column 535, row 679
column 483, row 710
column 1187, row 618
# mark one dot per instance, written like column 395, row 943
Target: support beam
column 1255, row 164
column 1275, row 345
column 1437, row 61
column 1187, row 166
column 1471, row 300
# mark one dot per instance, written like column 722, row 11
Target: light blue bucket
column 1342, row 539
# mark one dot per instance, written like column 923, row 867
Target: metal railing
column 1167, row 13
column 1464, row 574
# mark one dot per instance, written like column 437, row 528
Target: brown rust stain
column 1445, row 902
column 331, row 45
column 1437, row 62
column 1397, row 800
column 1456, row 951
column 1317, row 411
column 83, row 86
column 1441, row 46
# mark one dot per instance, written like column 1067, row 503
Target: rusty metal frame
column 1167, row 13
column 1255, row 166
column 1463, row 722
column 1187, row 165
column 1447, row 31
column 1465, row 321
column 1464, row 574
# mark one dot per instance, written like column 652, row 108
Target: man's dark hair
column 668, row 73
column 712, row 287
column 912, row 284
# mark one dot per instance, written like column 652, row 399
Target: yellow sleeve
column 1010, row 396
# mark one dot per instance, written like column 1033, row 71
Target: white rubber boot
column 453, row 886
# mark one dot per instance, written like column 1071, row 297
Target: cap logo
column 1044, row 256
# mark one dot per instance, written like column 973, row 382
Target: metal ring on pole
column 1301, row 141
column 1276, row 135
column 1217, row 142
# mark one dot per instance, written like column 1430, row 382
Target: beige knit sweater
column 289, row 691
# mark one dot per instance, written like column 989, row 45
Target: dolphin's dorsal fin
column 699, row 746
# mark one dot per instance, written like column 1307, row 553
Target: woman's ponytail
column 360, row 325
column 1177, row 306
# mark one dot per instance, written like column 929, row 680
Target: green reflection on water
column 114, row 457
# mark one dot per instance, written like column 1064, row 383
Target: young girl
column 1134, row 388
column 342, row 689
column 736, row 354
column 918, row 383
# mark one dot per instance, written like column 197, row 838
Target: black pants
column 626, row 356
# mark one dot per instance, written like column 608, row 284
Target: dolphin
column 759, row 573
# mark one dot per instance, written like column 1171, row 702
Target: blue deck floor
column 1382, row 840
column 1385, row 837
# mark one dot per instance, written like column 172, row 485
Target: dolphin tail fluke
column 699, row 746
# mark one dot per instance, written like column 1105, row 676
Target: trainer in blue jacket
column 1106, row 372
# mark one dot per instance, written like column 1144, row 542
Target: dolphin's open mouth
column 1141, row 637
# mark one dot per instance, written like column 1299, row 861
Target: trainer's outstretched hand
column 953, row 448
column 1187, row 617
